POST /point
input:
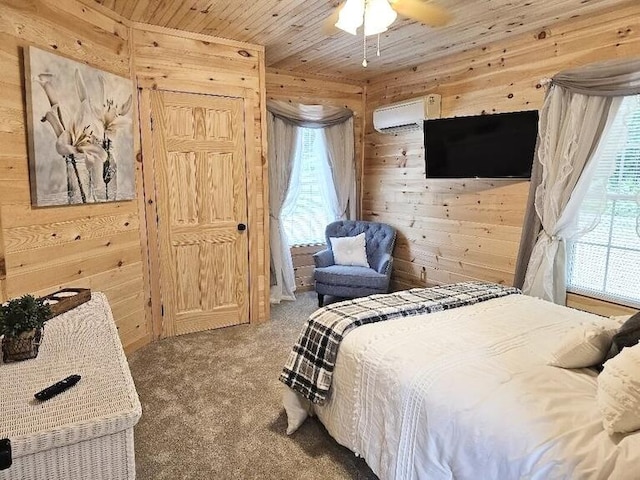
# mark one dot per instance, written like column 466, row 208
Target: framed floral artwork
column 80, row 123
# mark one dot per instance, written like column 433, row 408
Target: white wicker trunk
column 85, row 433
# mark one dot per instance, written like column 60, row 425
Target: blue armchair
column 350, row 281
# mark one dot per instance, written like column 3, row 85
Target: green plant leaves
column 23, row 314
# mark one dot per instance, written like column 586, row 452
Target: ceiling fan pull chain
column 364, row 48
column 378, row 45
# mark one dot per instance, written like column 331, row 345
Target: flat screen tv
column 484, row 146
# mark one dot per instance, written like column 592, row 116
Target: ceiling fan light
column 378, row 16
column 351, row 16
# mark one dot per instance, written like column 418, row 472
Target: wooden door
column 201, row 191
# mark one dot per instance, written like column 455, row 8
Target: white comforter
column 467, row 394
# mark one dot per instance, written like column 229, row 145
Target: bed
column 466, row 393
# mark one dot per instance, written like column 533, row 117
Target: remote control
column 57, row 388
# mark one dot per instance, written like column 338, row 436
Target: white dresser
column 85, row 432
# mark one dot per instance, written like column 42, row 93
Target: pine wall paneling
column 303, row 265
column 470, row 229
column 312, row 90
column 169, row 59
column 599, row 307
column 100, row 246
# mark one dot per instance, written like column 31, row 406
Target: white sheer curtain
column 283, row 146
column 590, row 195
column 340, row 152
column 323, row 178
column 571, row 125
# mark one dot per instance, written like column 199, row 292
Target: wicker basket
column 22, row 347
column 86, row 432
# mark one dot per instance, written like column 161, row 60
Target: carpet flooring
column 212, row 407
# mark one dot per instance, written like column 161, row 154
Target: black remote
column 57, row 388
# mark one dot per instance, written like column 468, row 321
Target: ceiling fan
column 377, row 16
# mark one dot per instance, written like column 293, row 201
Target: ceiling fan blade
column 427, row 13
column 328, row 26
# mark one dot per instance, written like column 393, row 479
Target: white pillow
column 349, row 251
column 618, row 394
column 297, row 408
column 581, row 348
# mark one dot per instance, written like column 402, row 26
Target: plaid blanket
column 309, row 369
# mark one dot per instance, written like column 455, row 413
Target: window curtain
column 340, row 149
column 284, row 142
column 283, row 145
column 579, row 106
column 337, row 126
column 310, row 116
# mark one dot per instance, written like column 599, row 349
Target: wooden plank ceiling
column 291, row 29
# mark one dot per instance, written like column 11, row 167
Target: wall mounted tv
column 484, row 146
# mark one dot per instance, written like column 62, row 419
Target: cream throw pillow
column 349, row 250
column 297, row 408
column 581, row 348
column 618, row 394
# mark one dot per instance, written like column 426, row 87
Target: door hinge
column 152, row 123
column 162, row 310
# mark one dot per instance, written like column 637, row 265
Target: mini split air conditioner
column 407, row 115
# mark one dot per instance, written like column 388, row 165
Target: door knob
column 242, row 227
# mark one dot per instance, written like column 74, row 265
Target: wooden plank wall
column 104, row 246
column 303, row 266
column 312, row 90
column 42, row 249
column 173, row 60
column 470, row 229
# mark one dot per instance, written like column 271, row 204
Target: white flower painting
column 80, row 132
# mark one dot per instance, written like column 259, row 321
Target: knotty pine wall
column 104, row 246
column 303, row 266
column 99, row 246
column 470, row 229
column 312, row 90
column 170, row 59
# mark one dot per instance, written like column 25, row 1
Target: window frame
column 602, row 294
column 612, row 199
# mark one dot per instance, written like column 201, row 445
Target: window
column 307, row 209
column 605, row 262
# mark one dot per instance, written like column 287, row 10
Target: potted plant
column 21, row 322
